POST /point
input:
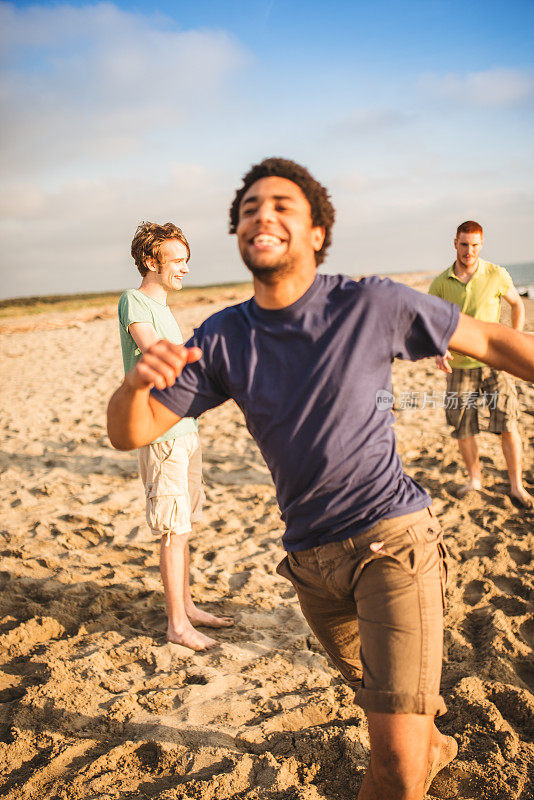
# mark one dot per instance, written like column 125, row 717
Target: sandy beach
column 94, row 704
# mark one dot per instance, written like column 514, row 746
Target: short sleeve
column 424, row 324
column 198, row 388
column 132, row 309
column 506, row 283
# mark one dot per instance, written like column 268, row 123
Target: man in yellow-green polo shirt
column 477, row 286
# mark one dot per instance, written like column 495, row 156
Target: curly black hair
column 322, row 210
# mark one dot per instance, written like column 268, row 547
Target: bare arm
column 442, row 362
column 143, row 334
column 518, row 308
column 135, row 418
column 497, row 345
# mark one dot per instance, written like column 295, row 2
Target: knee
column 172, row 539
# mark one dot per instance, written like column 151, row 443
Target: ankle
column 178, row 625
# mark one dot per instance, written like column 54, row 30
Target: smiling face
column 468, row 247
column 172, row 265
column 275, row 233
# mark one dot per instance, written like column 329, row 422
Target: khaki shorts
column 467, row 389
column 375, row 602
column 172, row 475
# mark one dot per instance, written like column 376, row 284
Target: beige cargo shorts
column 172, row 476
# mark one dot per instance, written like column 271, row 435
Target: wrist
column 134, row 383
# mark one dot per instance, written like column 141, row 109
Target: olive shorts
column 171, row 472
column 375, row 602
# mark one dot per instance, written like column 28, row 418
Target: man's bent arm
column 135, row 418
column 497, row 345
column 513, row 298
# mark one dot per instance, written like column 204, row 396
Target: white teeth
column 265, row 238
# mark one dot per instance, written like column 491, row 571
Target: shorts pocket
column 443, row 570
column 164, row 449
column 411, row 548
column 166, row 471
column 283, row 569
column 405, row 551
column 168, row 514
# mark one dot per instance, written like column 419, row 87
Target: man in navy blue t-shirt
column 308, row 361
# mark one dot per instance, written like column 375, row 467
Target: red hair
column 469, row 227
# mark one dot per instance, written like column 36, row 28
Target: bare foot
column 442, row 753
column 187, row 636
column 198, row 617
column 522, row 497
column 474, row 485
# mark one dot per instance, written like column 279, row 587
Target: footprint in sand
column 474, row 592
column 520, row 556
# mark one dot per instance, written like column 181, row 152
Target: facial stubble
column 272, row 273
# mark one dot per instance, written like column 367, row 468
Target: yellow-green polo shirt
column 479, row 298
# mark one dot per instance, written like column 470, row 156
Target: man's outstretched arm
column 497, row 345
column 135, row 418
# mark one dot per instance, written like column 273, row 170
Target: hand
column 442, row 362
column 161, row 364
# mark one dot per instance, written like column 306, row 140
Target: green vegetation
column 22, row 306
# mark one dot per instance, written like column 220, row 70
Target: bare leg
column 469, row 451
column 196, row 616
column 511, row 448
column 173, row 566
column 400, row 752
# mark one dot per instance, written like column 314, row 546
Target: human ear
column 318, row 235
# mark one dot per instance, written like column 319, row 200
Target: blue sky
column 416, row 115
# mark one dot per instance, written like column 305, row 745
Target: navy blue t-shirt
column 306, row 377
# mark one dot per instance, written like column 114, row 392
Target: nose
column 264, row 212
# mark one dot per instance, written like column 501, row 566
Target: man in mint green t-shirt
column 477, row 286
column 171, row 466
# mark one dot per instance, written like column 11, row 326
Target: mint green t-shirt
column 135, row 306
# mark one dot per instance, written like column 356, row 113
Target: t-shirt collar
column 151, row 299
column 480, row 270
column 291, row 311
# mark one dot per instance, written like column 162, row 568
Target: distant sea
column 523, row 277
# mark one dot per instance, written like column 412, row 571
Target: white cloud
column 495, row 87
column 99, row 84
column 111, row 117
column 371, row 122
column 78, row 238
column 407, row 222
column 96, row 104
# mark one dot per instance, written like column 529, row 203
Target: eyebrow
column 254, row 198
